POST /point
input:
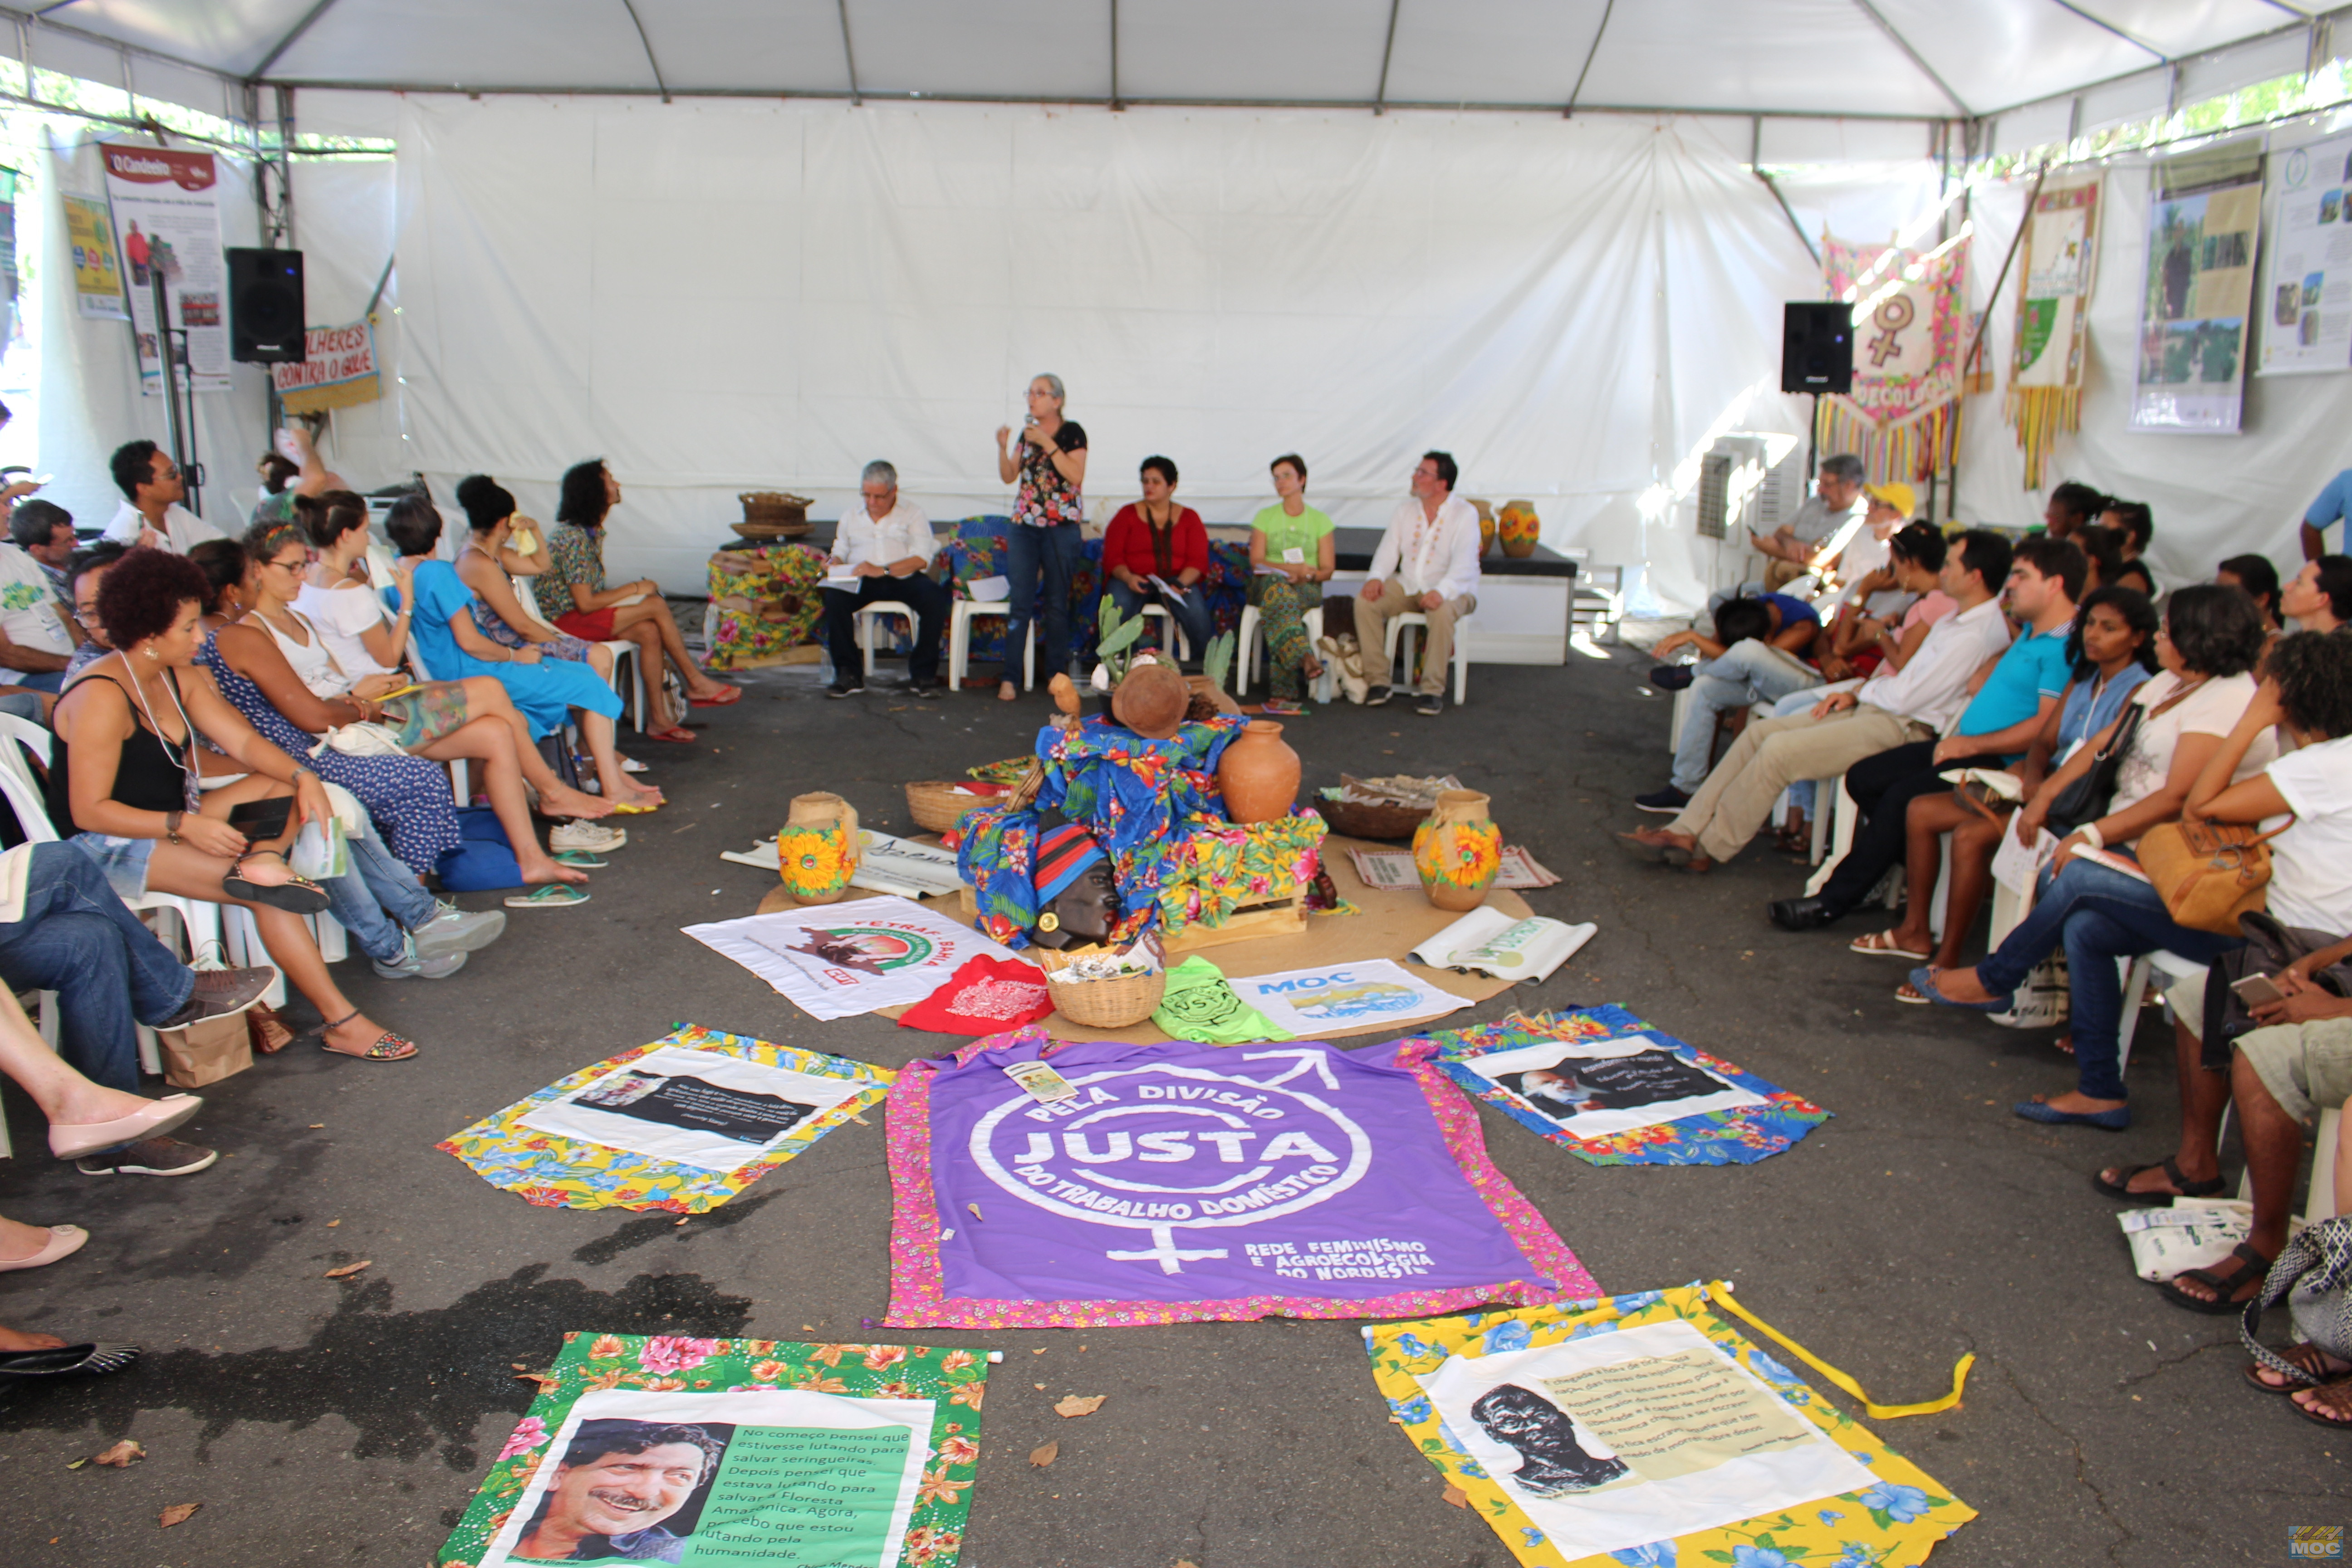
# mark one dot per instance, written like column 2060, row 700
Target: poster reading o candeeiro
column 167, row 221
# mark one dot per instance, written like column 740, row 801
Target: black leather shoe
column 1802, row 914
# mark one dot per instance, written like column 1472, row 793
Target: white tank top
column 313, row 665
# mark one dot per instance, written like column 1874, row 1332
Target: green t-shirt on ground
column 1284, row 532
column 1199, row 1005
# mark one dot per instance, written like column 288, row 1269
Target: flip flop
column 67, row 1360
column 297, row 896
column 1280, row 709
column 1923, row 980
column 676, row 735
column 729, row 697
column 1908, row 995
column 630, row 808
column 1881, row 944
column 579, row 860
column 2182, row 1186
column 554, row 896
column 631, row 765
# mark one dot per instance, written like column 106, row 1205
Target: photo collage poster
column 2196, row 297
column 2307, row 276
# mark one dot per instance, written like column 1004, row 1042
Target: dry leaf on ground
column 348, row 1269
column 546, row 1384
column 1041, row 1458
column 176, row 1514
column 121, row 1454
column 1457, row 1497
column 1078, row 1404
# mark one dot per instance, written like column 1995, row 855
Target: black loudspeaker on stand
column 265, row 307
column 1817, row 346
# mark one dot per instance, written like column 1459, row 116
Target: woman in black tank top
column 125, row 773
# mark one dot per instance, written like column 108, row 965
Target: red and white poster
column 167, row 220
column 338, row 370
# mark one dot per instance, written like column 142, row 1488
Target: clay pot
column 1151, row 700
column 1520, row 528
column 1458, row 851
column 1485, row 524
column 816, row 849
column 1259, row 774
column 1207, row 699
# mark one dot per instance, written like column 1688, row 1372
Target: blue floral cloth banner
column 1643, row 1429
column 1603, row 1105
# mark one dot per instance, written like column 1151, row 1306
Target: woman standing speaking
column 1047, row 472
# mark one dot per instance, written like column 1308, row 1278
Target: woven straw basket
column 937, row 808
column 1101, row 1004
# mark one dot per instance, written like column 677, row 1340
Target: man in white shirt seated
column 150, row 513
column 36, row 636
column 1427, row 562
column 1893, row 708
column 885, row 546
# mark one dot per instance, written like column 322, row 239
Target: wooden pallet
column 1283, row 917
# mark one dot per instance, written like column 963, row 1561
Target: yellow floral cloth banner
column 1645, row 1430
column 556, row 1172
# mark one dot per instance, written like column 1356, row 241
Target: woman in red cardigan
column 1157, row 539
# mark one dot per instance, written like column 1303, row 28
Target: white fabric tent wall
column 718, row 297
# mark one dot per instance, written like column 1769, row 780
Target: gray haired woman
column 1047, row 472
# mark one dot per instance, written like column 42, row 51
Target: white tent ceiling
column 1910, row 58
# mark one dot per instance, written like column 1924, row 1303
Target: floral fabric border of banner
column 1739, row 1137
column 564, row 1172
column 1906, row 373
column 955, row 1380
column 918, row 1295
column 1893, row 1524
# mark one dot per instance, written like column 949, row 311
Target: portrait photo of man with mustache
column 618, row 1480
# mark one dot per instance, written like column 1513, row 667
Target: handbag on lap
column 2209, row 873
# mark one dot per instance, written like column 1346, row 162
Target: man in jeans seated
column 1754, row 656
column 2015, row 699
column 888, row 546
column 1886, row 711
column 64, row 931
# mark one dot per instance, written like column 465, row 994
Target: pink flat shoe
column 65, row 1240
column 69, row 1140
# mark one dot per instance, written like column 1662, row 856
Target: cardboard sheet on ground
column 1390, row 925
column 1728, row 1116
column 837, row 961
column 694, row 1108
column 671, row 1147
column 1188, row 1182
column 791, row 1455
column 1643, row 1429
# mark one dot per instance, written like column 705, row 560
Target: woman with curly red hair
column 123, row 783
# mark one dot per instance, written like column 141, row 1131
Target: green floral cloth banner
column 667, row 1449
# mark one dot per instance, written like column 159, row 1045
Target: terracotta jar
column 816, row 849
column 1458, row 851
column 1259, row 773
column 1520, row 528
column 1486, row 512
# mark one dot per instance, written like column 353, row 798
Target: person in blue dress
column 443, row 632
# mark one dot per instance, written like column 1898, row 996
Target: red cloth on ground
column 985, row 996
column 1128, row 543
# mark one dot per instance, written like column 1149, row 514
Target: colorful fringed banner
column 1908, row 334
column 2059, row 259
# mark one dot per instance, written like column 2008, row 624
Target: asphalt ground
column 321, row 1421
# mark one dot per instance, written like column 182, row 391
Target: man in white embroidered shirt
column 882, row 551
column 151, row 512
column 1427, row 562
column 1851, row 722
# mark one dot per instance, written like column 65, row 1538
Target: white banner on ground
column 837, row 961
column 704, row 1109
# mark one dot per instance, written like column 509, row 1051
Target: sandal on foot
column 2306, row 1357
column 1281, row 707
column 1882, row 945
column 554, row 896
column 2253, row 1266
column 676, row 735
column 727, row 696
column 579, row 860
column 631, row 808
column 2335, row 1408
column 1908, row 995
column 2182, row 1187
column 67, row 1360
column 388, row 1047
column 297, row 896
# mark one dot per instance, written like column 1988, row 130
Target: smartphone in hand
column 2258, row 990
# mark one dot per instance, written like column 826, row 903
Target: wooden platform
column 1285, row 918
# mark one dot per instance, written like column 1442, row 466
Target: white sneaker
column 594, row 837
column 453, row 929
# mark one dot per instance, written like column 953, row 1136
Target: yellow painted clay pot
column 1457, row 851
column 1486, row 512
column 816, row 849
column 1520, row 528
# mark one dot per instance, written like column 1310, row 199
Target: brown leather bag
column 2209, row 873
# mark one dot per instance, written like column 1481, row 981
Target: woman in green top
column 1290, row 555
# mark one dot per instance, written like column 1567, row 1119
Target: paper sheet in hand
column 1609, row 1087
column 837, row 961
column 802, row 1480
column 1492, row 943
column 696, row 1108
column 1621, row 1439
column 1307, row 1001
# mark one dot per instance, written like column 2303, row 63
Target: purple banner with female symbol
column 1186, row 1182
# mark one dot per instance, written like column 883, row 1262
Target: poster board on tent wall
column 2305, row 305
column 166, row 204
column 2057, row 263
column 2202, row 214
column 1907, row 321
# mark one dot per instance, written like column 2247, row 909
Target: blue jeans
column 1030, row 553
column 379, row 890
column 2099, row 916
column 49, row 681
column 1190, row 610
column 1749, row 672
column 80, row 941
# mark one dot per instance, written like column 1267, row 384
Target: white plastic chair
column 2137, row 972
column 1171, row 633
column 960, row 618
column 624, row 652
column 867, row 614
column 1415, row 618
column 1249, row 644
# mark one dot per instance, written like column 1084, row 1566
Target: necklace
column 188, row 793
